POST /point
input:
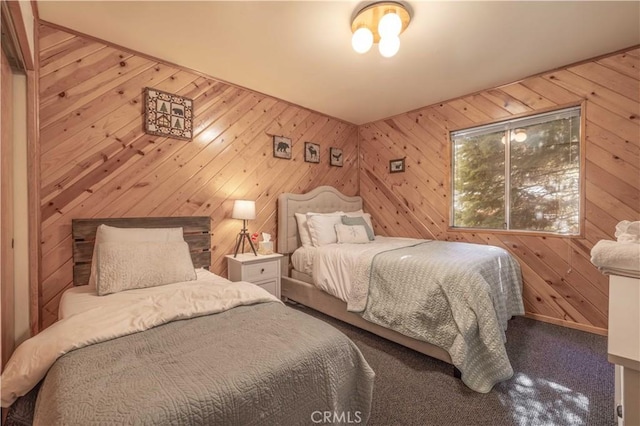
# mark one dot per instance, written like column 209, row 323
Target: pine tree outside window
column 522, row 174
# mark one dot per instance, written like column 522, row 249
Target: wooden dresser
column 624, row 346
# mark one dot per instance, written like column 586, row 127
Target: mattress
column 302, row 259
column 185, row 353
column 83, row 298
column 207, row 370
column 457, row 296
column 333, row 264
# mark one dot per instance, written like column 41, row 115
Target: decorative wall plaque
column 335, row 157
column 311, row 152
column 168, row 115
column 282, row 147
column 396, row 166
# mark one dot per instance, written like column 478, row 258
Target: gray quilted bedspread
column 458, row 296
column 251, row 365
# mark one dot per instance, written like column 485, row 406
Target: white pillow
column 128, row 265
column 303, row 227
column 322, row 228
column 358, row 220
column 106, row 233
column 360, row 213
column 354, row 234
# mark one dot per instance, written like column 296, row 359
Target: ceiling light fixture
column 517, row 135
column 381, row 23
column 520, row 135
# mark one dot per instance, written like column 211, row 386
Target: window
column 521, row 174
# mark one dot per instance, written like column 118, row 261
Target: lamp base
column 241, row 236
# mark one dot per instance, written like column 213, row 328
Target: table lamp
column 245, row 210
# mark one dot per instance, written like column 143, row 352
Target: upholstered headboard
column 323, row 199
column 196, row 230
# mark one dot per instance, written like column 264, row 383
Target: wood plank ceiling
column 561, row 285
column 96, row 161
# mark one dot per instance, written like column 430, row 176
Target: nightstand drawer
column 263, row 270
column 270, row 286
column 260, row 271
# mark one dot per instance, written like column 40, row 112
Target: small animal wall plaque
column 282, row 147
column 311, row 152
column 396, row 166
column 168, row 115
column 336, row 157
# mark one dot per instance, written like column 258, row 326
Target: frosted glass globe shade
column 520, row 135
column 390, row 25
column 389, row 46
column 362, row 40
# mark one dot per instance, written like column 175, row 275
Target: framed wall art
column 282, row 147
column 335, row 157
column 168, row 115
column 396, row 166
column 311, row 152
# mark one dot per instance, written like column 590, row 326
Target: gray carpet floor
column 562, row 377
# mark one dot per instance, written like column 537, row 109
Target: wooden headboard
column 196, row 229
column 323, row 199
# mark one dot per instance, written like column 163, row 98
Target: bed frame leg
column 457, row 373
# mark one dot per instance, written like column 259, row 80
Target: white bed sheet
column 302, row 259
column 333, row 263
column 83, row 298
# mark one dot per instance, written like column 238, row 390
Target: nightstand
column 262, row 270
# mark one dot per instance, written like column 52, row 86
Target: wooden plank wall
column 561, row 285
column 97, row 162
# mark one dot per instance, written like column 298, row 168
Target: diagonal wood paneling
column 96, row 160
column 561, row 285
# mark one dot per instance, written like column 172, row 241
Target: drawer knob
column 262, row 271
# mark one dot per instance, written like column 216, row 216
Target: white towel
column 619, row 256
column 620, row 272
column 627, row 231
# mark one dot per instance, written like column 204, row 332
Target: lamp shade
column 362, row 40
column 390, row 25
column 520, row 135
column 389, row 46
column 244, row 209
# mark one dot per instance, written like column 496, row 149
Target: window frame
column 581, row 180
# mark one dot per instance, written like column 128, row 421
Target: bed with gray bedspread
column 251, row 365
column 457, row 296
